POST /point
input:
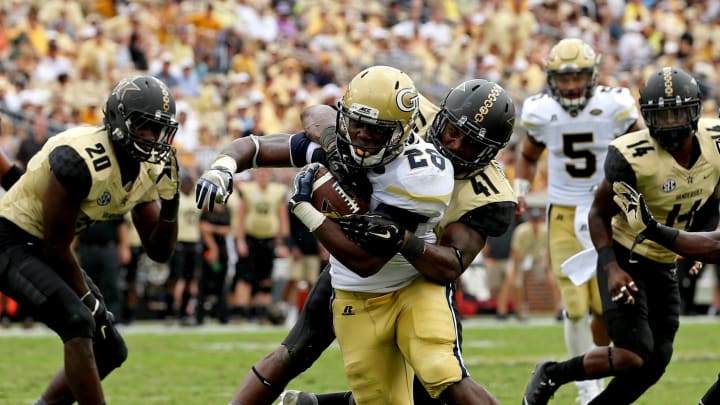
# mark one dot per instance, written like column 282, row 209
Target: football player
column 80, row 176
column 470, row 136
column 675, row 163
column 575, row 123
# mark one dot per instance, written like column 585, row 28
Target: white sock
column 578, row 337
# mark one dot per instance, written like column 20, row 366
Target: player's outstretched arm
column 9, row 172
column 215, row 185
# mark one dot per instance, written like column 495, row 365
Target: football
column 330, row 199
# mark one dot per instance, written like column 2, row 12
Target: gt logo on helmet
column 407, row 100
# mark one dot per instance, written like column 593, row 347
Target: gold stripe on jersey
column 188, row 219
column 489, row 186
column 261, row 218
column 399, row 191
column 673, row 193
column 107, row 199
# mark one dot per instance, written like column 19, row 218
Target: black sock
column 336, row 398
column 566, row 371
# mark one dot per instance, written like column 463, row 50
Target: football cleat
column 540, row 388
column 293, row 397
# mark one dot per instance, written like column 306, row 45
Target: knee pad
column 110, row 349
column 71, row 321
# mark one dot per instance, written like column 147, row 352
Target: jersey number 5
column 570, row 143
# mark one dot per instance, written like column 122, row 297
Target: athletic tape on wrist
column 225, row 162
column 662, row 234
column 309, row 216
column 521, row 187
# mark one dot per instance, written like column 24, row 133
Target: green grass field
column 204, row 366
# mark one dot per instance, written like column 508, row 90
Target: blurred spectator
column 262, row 233
column 51, row 66
column 214, row 229
column 182, row 284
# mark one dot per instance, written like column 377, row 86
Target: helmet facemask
column 483, row 149
column 364, row 156
column 140, row 118
column 572, row 57
column 671, row 104
column 671, row 126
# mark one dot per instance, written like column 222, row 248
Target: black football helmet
column 671, row 104
column 141, row 102
column 482, row 111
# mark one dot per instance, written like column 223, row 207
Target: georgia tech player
column 80, row 176
column 675, row 164
column 575, row 123
column 484, row 195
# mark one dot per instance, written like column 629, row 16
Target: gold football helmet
column 572, row 73
column 376, row 116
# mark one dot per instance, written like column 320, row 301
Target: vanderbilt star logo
column 125, row 86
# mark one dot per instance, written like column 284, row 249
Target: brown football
column 330, row 199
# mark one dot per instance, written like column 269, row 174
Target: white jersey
column 420, row 181
column 577, row 145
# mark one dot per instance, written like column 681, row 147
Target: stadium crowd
column 240, row 67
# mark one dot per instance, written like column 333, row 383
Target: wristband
column 169, row 208
column 226, row 162
column 521, row 187
column 11, row 177
column 327, row 138
column 413, row 249
column 662, row 234
column 606, row 255
column 309, row 216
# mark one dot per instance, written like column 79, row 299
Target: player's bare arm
column 158, row 235
column 318, row 120
column 526, row 168
column 445, row 262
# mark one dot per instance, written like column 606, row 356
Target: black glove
column 353, row 181
column 96, row 306
column 374, row 232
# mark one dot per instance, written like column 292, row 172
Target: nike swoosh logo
column 385, row 235
column 102, row 330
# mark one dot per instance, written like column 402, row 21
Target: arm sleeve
column 71, row 171
column 491, row 219
column 617, row 168
column 304, row 151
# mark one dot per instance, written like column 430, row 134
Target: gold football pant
column 386, row 338
column 563, row 244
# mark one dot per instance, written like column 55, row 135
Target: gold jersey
column 261, row 217
column 673, row 193
column 188, row 219
column 108, row 197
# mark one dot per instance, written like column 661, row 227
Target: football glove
column 374, row 232
column 96, row 306
column 353, row 181
column 214, row 186
column 300, row 202
column 632, row 204
column 167, row 182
